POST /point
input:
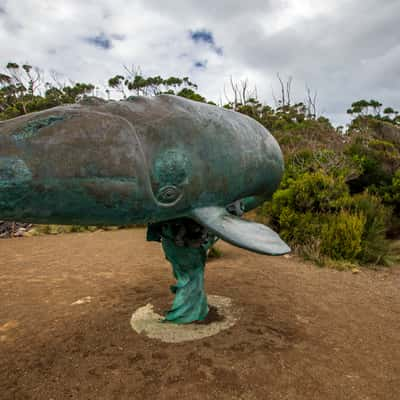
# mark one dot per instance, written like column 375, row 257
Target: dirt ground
column 303, row 333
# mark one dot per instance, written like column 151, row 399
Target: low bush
column 375, row 247
column 341, row 235
column 315, row 213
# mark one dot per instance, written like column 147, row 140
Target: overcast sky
column 343, row 49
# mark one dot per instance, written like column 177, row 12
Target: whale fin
column 239, row 232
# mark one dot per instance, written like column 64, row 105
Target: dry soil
column 303, row 333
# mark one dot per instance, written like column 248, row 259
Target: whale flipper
column 239, row 232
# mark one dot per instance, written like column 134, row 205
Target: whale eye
column 169, row 194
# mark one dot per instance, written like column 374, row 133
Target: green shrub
column 392, row 193
column 298, row 228
column 341, row 235
column 315, row 213
column 375, row 248
column 378, row 160
column 316, row 192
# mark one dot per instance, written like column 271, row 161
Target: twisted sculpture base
column 185, row 244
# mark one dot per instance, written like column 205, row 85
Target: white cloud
column 344, row 50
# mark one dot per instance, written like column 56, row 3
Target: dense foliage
column 340, row 197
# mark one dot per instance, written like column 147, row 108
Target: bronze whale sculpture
column 141, row 160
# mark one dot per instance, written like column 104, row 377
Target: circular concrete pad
column 145, row 320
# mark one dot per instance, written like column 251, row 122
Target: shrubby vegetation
column 339, row 200
column 339, row 197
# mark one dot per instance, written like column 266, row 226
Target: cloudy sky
column 344, row 50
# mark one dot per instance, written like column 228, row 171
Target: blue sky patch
column 207, row 37
column 101, row 41
column 202, row 35
column 200, row 64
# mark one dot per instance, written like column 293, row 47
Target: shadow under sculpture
column 185, row 244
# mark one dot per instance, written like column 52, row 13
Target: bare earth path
column 304, row 332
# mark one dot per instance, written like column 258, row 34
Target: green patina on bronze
column 171, row 171
column 190, row 302
column 185, row 244
column 32, row 128
column 145, row 160
column 13, row 170
column 60, row 200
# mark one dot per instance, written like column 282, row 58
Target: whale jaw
column 239, row 232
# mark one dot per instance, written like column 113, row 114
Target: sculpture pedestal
column 185, row 244
column 190, row 303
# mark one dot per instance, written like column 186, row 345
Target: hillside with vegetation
column 339, row 200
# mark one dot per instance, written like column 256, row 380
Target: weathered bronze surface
column 142, row 160
column 185, row 244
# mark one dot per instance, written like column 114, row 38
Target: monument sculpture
column 187, row 169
